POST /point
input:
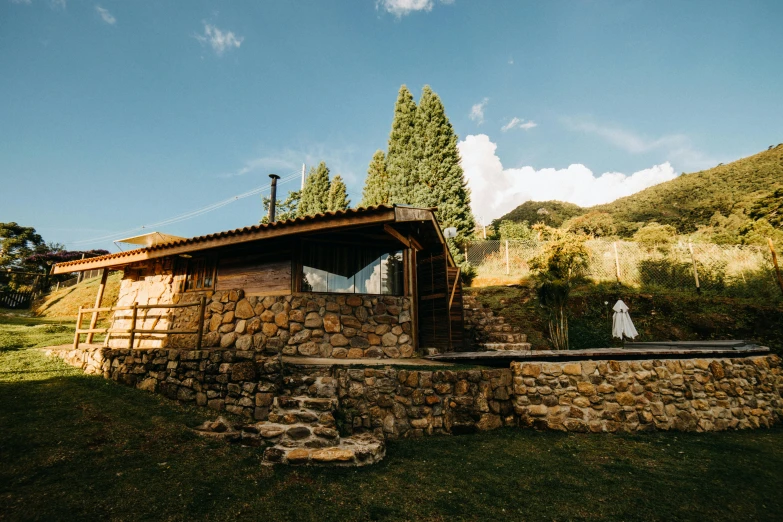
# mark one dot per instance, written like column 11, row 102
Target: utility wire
column 191, row 214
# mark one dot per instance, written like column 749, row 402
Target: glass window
column 351, row 269
column 199, row 273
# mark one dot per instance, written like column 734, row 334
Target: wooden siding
column 255, row 275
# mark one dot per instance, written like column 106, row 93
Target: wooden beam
column 415, row 244
column 98, row 300
column 396, row 235
column 453, row 290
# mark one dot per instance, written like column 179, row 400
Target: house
column 371, row 282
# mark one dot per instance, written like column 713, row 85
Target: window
column 196, row 274
column 351, row 269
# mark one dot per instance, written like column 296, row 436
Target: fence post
column 78, row 326
column 775, row 262
column 98, row 301
column 508, row 267
column 133, row 326
column 695, row 271
column 616, row 262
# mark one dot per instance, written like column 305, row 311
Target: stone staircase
column 301, row 429
column 489, row 331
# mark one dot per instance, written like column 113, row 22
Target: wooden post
column 616, row 261
column 98, row 300
column 78, row 326
column 695, row 271
column 201, row 308
column 134, row 311
column 508, row 266
column 775, row 262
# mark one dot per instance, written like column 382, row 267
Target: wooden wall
column 256, row 275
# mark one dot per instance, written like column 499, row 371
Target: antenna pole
column 303, row 176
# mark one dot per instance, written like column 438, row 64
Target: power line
column 188, row 215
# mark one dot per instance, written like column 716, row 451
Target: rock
column 406, row 351
column 270, row 432
column 281, row 319
column 572, row 369
column 392, row 352
column 228, row 317
column 373, row 353
column 215, row 321
column 228, row 339
column 339, row 353
column 331, row 323
column 328, row 433
column 300, row 337
column 355, row 353
column 537, row 410
column 297, row 316
column 389, row 339
column 350, row 321
column 267, row 316
column 309, row 349
column 269, row 329
column 332, row 455
column 373, row 339
column 359, row 342
column 313, row 320
column 244, row 310
column 240, row 326
column 298, row 432
column 625, row 398
column 245, row 342
column 243, row 371
column 489, row 421
column 338, row 340
column 353, row 300
column 298, row 456
column 382, row 329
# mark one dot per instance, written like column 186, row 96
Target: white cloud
column 677, row 147
column 477, row 111
column 106, row 16
column 219, row 40
column 496, row 191
column 517, row 123
column 400, row 8
column 57, row 4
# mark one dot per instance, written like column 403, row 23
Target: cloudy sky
column 117, row 115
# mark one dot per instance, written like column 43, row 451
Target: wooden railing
column 133, row 331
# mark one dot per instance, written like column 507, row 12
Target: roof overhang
column 343, row 219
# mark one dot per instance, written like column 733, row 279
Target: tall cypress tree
column 315, row 194
column 440, row 179
column 376, row 186
column 400, row 160
column 338, row 195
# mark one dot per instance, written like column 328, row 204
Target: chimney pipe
column 273, row 197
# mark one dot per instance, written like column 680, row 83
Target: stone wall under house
column 303, row 324
column 587, row 396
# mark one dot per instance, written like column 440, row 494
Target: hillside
column 746, row 188
column 65, row 302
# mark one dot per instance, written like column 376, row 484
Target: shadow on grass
column 80, row 447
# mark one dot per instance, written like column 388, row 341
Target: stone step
column 522, row 347
column 357, row 450
column 502, row 337
column 304, row 403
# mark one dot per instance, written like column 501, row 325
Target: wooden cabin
column 370, row 282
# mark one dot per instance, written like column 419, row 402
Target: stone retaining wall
column 306, row 324
column 586, row 396
column 684, row 395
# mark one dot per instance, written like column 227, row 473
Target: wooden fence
column 133, row 331
column 15, row 300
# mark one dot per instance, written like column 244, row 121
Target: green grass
column 76, row 447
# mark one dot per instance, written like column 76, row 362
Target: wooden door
column 433, row 300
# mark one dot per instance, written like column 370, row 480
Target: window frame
column 196, row 270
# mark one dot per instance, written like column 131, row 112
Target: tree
column 315, row 194
column 17, row 243
column 593, row 224
column 513, row 230
column 400, row 160
column 287, row 209
column 376, row 186
column 655, row 234
column 440, row 178
column 338, row 195
column 562, row 259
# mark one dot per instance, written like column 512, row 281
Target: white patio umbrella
column 621, row 322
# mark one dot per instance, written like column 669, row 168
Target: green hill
column 746, row 190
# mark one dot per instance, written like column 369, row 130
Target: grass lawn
column 74, row 447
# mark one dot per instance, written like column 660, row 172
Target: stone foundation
column 392, row 402
column 306, row 325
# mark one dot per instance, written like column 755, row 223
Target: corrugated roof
column 288, row 223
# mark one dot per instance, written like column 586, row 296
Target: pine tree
column 315, row 194
column 338, row 195
column 400, row 160
column 284, row 209
column 440, row 179
column 376, row 186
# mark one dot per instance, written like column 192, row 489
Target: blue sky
column 120, row 114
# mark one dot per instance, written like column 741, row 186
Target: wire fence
column 89, row 274
column 732, row 270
